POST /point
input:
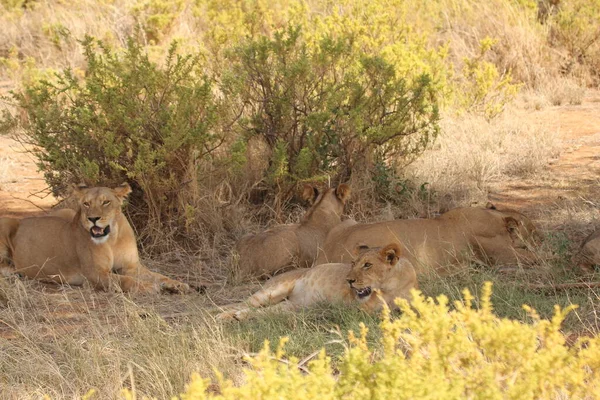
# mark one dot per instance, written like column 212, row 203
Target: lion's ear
column 310, row 193
column 343, row 192
column 490, row 206
column 79, row 190
column 511, row 225
column 391, row 253
column 122, row 190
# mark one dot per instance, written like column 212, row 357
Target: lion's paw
column 233, row 315
column 172, row 286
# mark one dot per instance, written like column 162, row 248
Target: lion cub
column 281, row 246
column 93, row 243
column 375, row 276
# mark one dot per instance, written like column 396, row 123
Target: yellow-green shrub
column 405, row 33
column 575, row 27
column 325, row 107
column 156, row 17
column 431, row 351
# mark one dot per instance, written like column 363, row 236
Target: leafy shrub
column 9, row 4
column 156, row 17
column 486, row 91
column 129, row 119
column 431, row 351
column 575, row 27
column 324, row 108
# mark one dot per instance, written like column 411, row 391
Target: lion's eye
column 367, row 265
column 86, row 204
column 106, row 202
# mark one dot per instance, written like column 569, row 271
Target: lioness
column 375, row 275
column 281, row 246
column 496, row 237
column 588, row 257
column 94, row 243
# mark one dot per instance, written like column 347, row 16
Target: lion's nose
column 93, row 219
column 351, row 281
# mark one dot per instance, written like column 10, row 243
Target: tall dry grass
column 47, row 32
column 472, row 153
column 62, row 345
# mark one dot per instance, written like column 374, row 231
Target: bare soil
column 575, row 174
column 23, row 191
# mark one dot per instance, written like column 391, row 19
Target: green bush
column 128, row 119
column 325, row 108
column 431, row 351
column 321, row 108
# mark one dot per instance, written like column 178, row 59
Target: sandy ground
column 23, row 191
column 575, row 174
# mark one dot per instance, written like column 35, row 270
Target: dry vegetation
column 496, row 68
column 5, row 167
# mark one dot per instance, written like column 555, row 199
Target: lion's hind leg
column 8, row 228
column 273, row 295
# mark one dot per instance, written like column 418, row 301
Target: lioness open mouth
column 362, row 293
column 98, row 232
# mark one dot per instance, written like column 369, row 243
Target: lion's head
column 98, row 209
column 372, row 269
column 328, row 200
column 522, row 231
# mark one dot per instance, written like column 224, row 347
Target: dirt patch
column 23, row 191
column 575, row 175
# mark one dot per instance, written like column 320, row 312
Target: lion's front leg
column 241, row 311
column 138, row 271
column 103, row 279
column 97, row 268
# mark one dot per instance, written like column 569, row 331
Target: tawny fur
column 60, row 247
column 8, row 228
column 294, row 244
column 495, row 237
column 588, row 256
column 388, row 275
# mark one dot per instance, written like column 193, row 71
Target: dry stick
column 564, row 286
column 29, row 201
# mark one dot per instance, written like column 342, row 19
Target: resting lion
column 375, row 275
column 94, row 243
column 495, row 237
column 281, row 246
column 588, row 257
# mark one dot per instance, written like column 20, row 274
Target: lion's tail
column 8, row 229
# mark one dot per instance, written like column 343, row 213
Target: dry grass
column 472, row 153
column 6, row 165
column 63, row 342
column 74, row 340
column 564, row 91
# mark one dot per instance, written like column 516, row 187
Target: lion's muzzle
column 99, row 232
